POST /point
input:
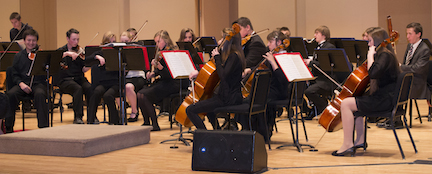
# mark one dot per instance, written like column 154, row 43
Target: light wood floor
column 382, row 155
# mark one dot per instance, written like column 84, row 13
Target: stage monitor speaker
column 229, row 151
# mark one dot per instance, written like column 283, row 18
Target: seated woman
column 164, row 84
column 105, row 85
column 229, row 66
column 134, row 82
column 383, row 68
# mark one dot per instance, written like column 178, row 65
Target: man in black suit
column 416, row 60
column 323, row 87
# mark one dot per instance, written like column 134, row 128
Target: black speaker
column 229, row 151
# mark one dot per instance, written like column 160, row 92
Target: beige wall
column 8, row 7
column 173, row 17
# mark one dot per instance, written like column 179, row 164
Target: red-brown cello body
column 355, row 85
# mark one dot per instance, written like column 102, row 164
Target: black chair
column 258, row 101
column 173, row 102
column 290, row 103
column 404, row 83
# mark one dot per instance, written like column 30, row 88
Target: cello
column 204, row 84
column 355, row 85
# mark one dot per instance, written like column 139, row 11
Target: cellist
column 230, row 63
column 383, row 69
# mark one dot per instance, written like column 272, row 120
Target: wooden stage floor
column 382, row 155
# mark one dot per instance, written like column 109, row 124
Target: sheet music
column 179, row 63
column 293, row 67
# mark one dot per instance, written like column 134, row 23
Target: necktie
column 409, row 56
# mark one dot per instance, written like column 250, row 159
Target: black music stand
column 356, row 50
column 298, row 45
column 14, row 47
column 208, row 44
column 334, row 61
column 7, row 59
column 116, row 60
column 47, row 63
column 310, row 47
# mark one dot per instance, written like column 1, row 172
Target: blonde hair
column 163, row 34
column 107, row 37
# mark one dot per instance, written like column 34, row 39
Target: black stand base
column 180, row 138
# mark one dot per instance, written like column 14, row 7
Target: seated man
column 24, row 85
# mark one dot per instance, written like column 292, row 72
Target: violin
column 204, row 85
column 355, row 85
column 33, row 52
column 248, row 37
column 247, row 81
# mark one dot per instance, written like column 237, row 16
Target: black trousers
column 318, row 94
column 205, row 106
column 77, row 87
column 39, row 95
column 109, row 92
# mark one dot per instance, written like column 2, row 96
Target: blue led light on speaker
column 203, row 149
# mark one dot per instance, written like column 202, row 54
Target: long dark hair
column 233, row 46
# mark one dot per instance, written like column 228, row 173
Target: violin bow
column 10, row 44
column 81, row 51
column 136, row 36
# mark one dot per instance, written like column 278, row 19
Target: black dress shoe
column 350, row 152
column 156, row 128
column 133, row 119
column 363, row 145
column 78, row 121
column 96, row 120
column 398, row 125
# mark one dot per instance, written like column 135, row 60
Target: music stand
column 47, row 63
column 7, row 59
column 310, row 47
column 14, row 47
column 147, row 42
column 298, row 45
column 361, row 49
column 333, row 60
column 208, row 43
column 192, row 51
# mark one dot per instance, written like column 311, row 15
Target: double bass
column 355, row 85
column 204, row 84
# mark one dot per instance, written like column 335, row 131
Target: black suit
column 419, row 65
column 253, row 51
column 322, row 88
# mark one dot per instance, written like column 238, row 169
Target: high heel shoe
column 363, row 145
column 351, row 151
column 133, row 119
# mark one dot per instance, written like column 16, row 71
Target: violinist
column 230, row 63
column 285, row 31
column 322, row 88
column 254, row 47
column 187, row 35
column 23, row 85
column 135, row 80
column 383, row 69
column 104, row 85
column 163, row 87
column 71, row 80
column 280, row 88
column 132, row 32
column 15, row 19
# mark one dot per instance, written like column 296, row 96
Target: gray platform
column 74, row 140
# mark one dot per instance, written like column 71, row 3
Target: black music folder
column 192, row 51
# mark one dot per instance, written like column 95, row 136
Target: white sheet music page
column 179, row 63
column 293, row 67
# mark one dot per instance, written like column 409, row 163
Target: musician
column 280, row 88
column 416, row 60
column 23, row 86
column 104, row 84
column 163, row 87
column 254, row 48
column 134, row 82
column 4, row 109
column 229, row 66
column 15, row 19
column 365, row 35
column 132, row 32
column 383, row 70
column 322, row 88
column 285, row 31
column 71, row 80
column 187, row 35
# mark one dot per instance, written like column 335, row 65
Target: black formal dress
column 323, row 87
column 72, row 81
column 228, row 93
column 385, row 71
column 20, row 68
